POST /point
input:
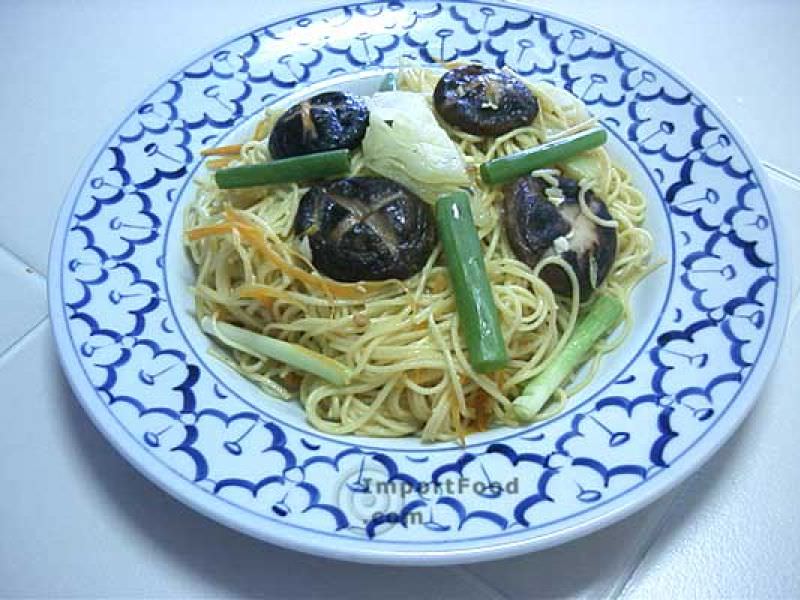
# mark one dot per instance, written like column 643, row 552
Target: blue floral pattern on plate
column 153, row 390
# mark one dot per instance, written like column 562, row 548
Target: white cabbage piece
column 587, row 165
column 571, row 106
column 404, row 142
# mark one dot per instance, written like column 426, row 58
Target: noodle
column 400, row 339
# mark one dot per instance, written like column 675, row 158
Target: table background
column 77, row 520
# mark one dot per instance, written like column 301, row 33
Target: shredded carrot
column 343, row 290
column 255, row 238
column 265, row 294
column 199, row 233
column 220, row 163
column 251, row 235
column 265, row 300
column 232, row 150
column 481, row 404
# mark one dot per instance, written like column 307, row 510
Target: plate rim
column 361, row 550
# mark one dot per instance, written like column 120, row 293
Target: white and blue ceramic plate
column 708, row 324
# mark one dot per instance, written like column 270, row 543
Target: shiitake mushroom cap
column 327, row 121
column 484, row 101
column 366, row 229
column 538, row 228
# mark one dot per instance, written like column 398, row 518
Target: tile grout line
column 485, row 586
column 23, row 338
column 19, row 259
column 785, row 176
column 794, row 310
column 624, row 584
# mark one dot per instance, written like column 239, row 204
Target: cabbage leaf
column 404, row 142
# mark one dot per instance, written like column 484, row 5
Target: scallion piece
column 264, row 346
column 477, row 313
column 389, row 83
column 603, row 314
column 521, row 163
column 286, row 170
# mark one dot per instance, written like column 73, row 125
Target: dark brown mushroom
column 484, row 101
column 366, row 229
column 329, row 121
column 538, row 228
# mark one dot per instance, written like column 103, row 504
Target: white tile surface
column 592, row 567
column 22, row 299
column 735, row 531
column 76, row 520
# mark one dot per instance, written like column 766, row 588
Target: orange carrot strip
column 344, row 290
column 256, row 238
column 220, row 163
column 481, row 403
column 200, row 232
column 249, row 233
column 232, row 150
column 265, row 294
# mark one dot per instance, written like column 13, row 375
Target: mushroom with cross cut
column 327, row 121
column 366, row 229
